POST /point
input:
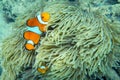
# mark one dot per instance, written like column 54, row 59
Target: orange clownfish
column 42, row 69
column 35, row 27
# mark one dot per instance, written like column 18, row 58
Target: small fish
column 42, row 69
column 35, row 27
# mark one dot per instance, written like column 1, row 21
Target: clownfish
column 35, row 27
column 42, row 69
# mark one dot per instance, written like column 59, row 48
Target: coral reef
column 81, row 43
column 14, row 8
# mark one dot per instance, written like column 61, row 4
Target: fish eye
column 42, row 17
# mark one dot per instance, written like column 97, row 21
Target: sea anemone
column 81, row 43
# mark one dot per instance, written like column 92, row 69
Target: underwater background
column 12, row 10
